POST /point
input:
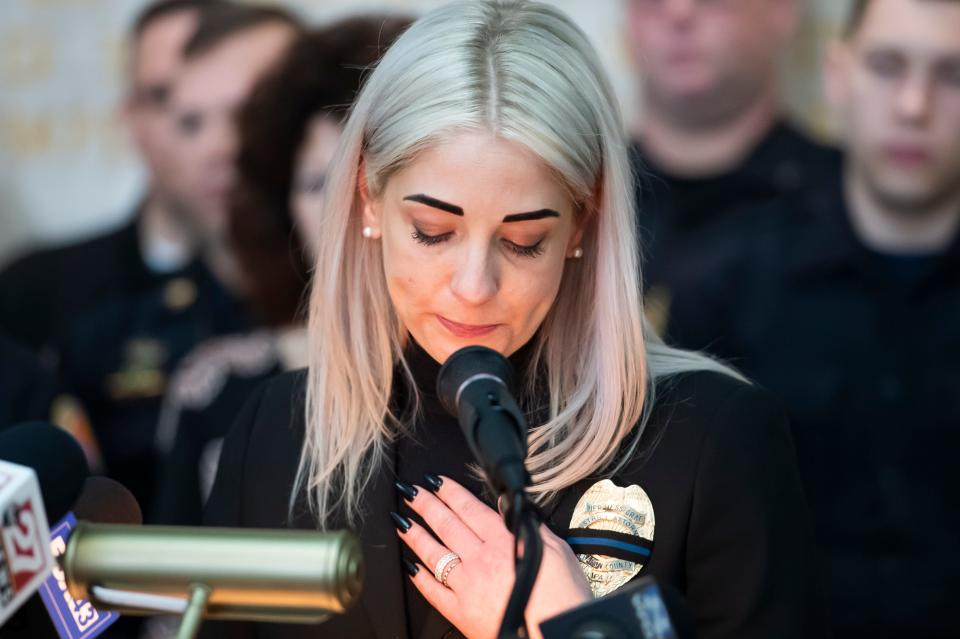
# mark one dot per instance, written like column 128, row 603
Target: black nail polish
column 433, row 482
column 411, row 568
column 402, row 523
column 408, row 491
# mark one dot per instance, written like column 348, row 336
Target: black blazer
column 732, row 530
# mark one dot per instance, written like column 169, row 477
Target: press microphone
column 41, row 471
column 475, row 385
column 643, row 609
column 51, row 612
column 54, row 456
column 289, row 576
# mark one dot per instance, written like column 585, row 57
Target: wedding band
column 447, row 563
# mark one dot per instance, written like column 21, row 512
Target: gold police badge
column 611, row 532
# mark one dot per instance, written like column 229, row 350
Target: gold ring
column 447, row 563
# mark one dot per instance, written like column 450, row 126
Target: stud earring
column 577, row 253
column 367, row 232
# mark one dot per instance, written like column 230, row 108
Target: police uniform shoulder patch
column 611, row 532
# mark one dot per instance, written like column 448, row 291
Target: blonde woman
column 481, row 195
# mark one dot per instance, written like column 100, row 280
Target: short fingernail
column 402, row 523
column 433, row 482
column 408, row 491
column 411, row 568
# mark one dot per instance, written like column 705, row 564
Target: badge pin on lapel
column 611, row 531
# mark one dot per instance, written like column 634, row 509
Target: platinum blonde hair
column 523, row 71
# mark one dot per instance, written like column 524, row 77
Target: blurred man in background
column 231, row 50
column 845, row 300
column 41, row 293
column 122, row 381
column 713, row 133
column 117, row 313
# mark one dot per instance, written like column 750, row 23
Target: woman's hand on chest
column 479, row 581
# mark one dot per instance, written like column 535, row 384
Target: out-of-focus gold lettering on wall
column 32, row 135
column 26, row 57
column 26, row 135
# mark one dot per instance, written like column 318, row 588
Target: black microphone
column 54, row 456
column 643, row 609
column 475, row 385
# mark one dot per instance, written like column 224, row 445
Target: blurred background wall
column 66, row 168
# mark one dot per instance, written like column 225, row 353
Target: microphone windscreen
column 465, row 364
column 54, row 456
column 105, row 501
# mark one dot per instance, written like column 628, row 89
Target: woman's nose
column 475, row 279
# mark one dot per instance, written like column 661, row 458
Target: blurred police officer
column 45, row 296
column 845, row 300
column 713, row 134
column 233, row 47
column 41, row 293
column 117, row 313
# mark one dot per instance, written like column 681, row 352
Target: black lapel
column 382, row 596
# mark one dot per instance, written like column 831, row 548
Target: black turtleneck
column 435, row 444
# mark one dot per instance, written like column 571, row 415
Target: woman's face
column 475, row 233
column 310, row 174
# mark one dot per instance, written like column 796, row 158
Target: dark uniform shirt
column 114, row 330
column 865, row 349
column 27, row 390
column 202, row 403
column 672, row 209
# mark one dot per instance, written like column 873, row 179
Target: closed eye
column 429, row 240
column 523, row 250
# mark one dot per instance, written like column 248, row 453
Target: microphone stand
column 522, row 518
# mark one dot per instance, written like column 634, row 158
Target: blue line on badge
column 612, row 543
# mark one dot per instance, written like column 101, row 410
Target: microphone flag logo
column 22, row 543
column 24, row 558
column 73, row 618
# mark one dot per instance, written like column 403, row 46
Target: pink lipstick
column 466, row 330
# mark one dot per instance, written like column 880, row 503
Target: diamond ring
column 446, row 564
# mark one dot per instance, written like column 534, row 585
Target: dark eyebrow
column 456, row 210
column 532, row 215
column 435, row 203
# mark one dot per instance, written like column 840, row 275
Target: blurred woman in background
column 289, row 131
